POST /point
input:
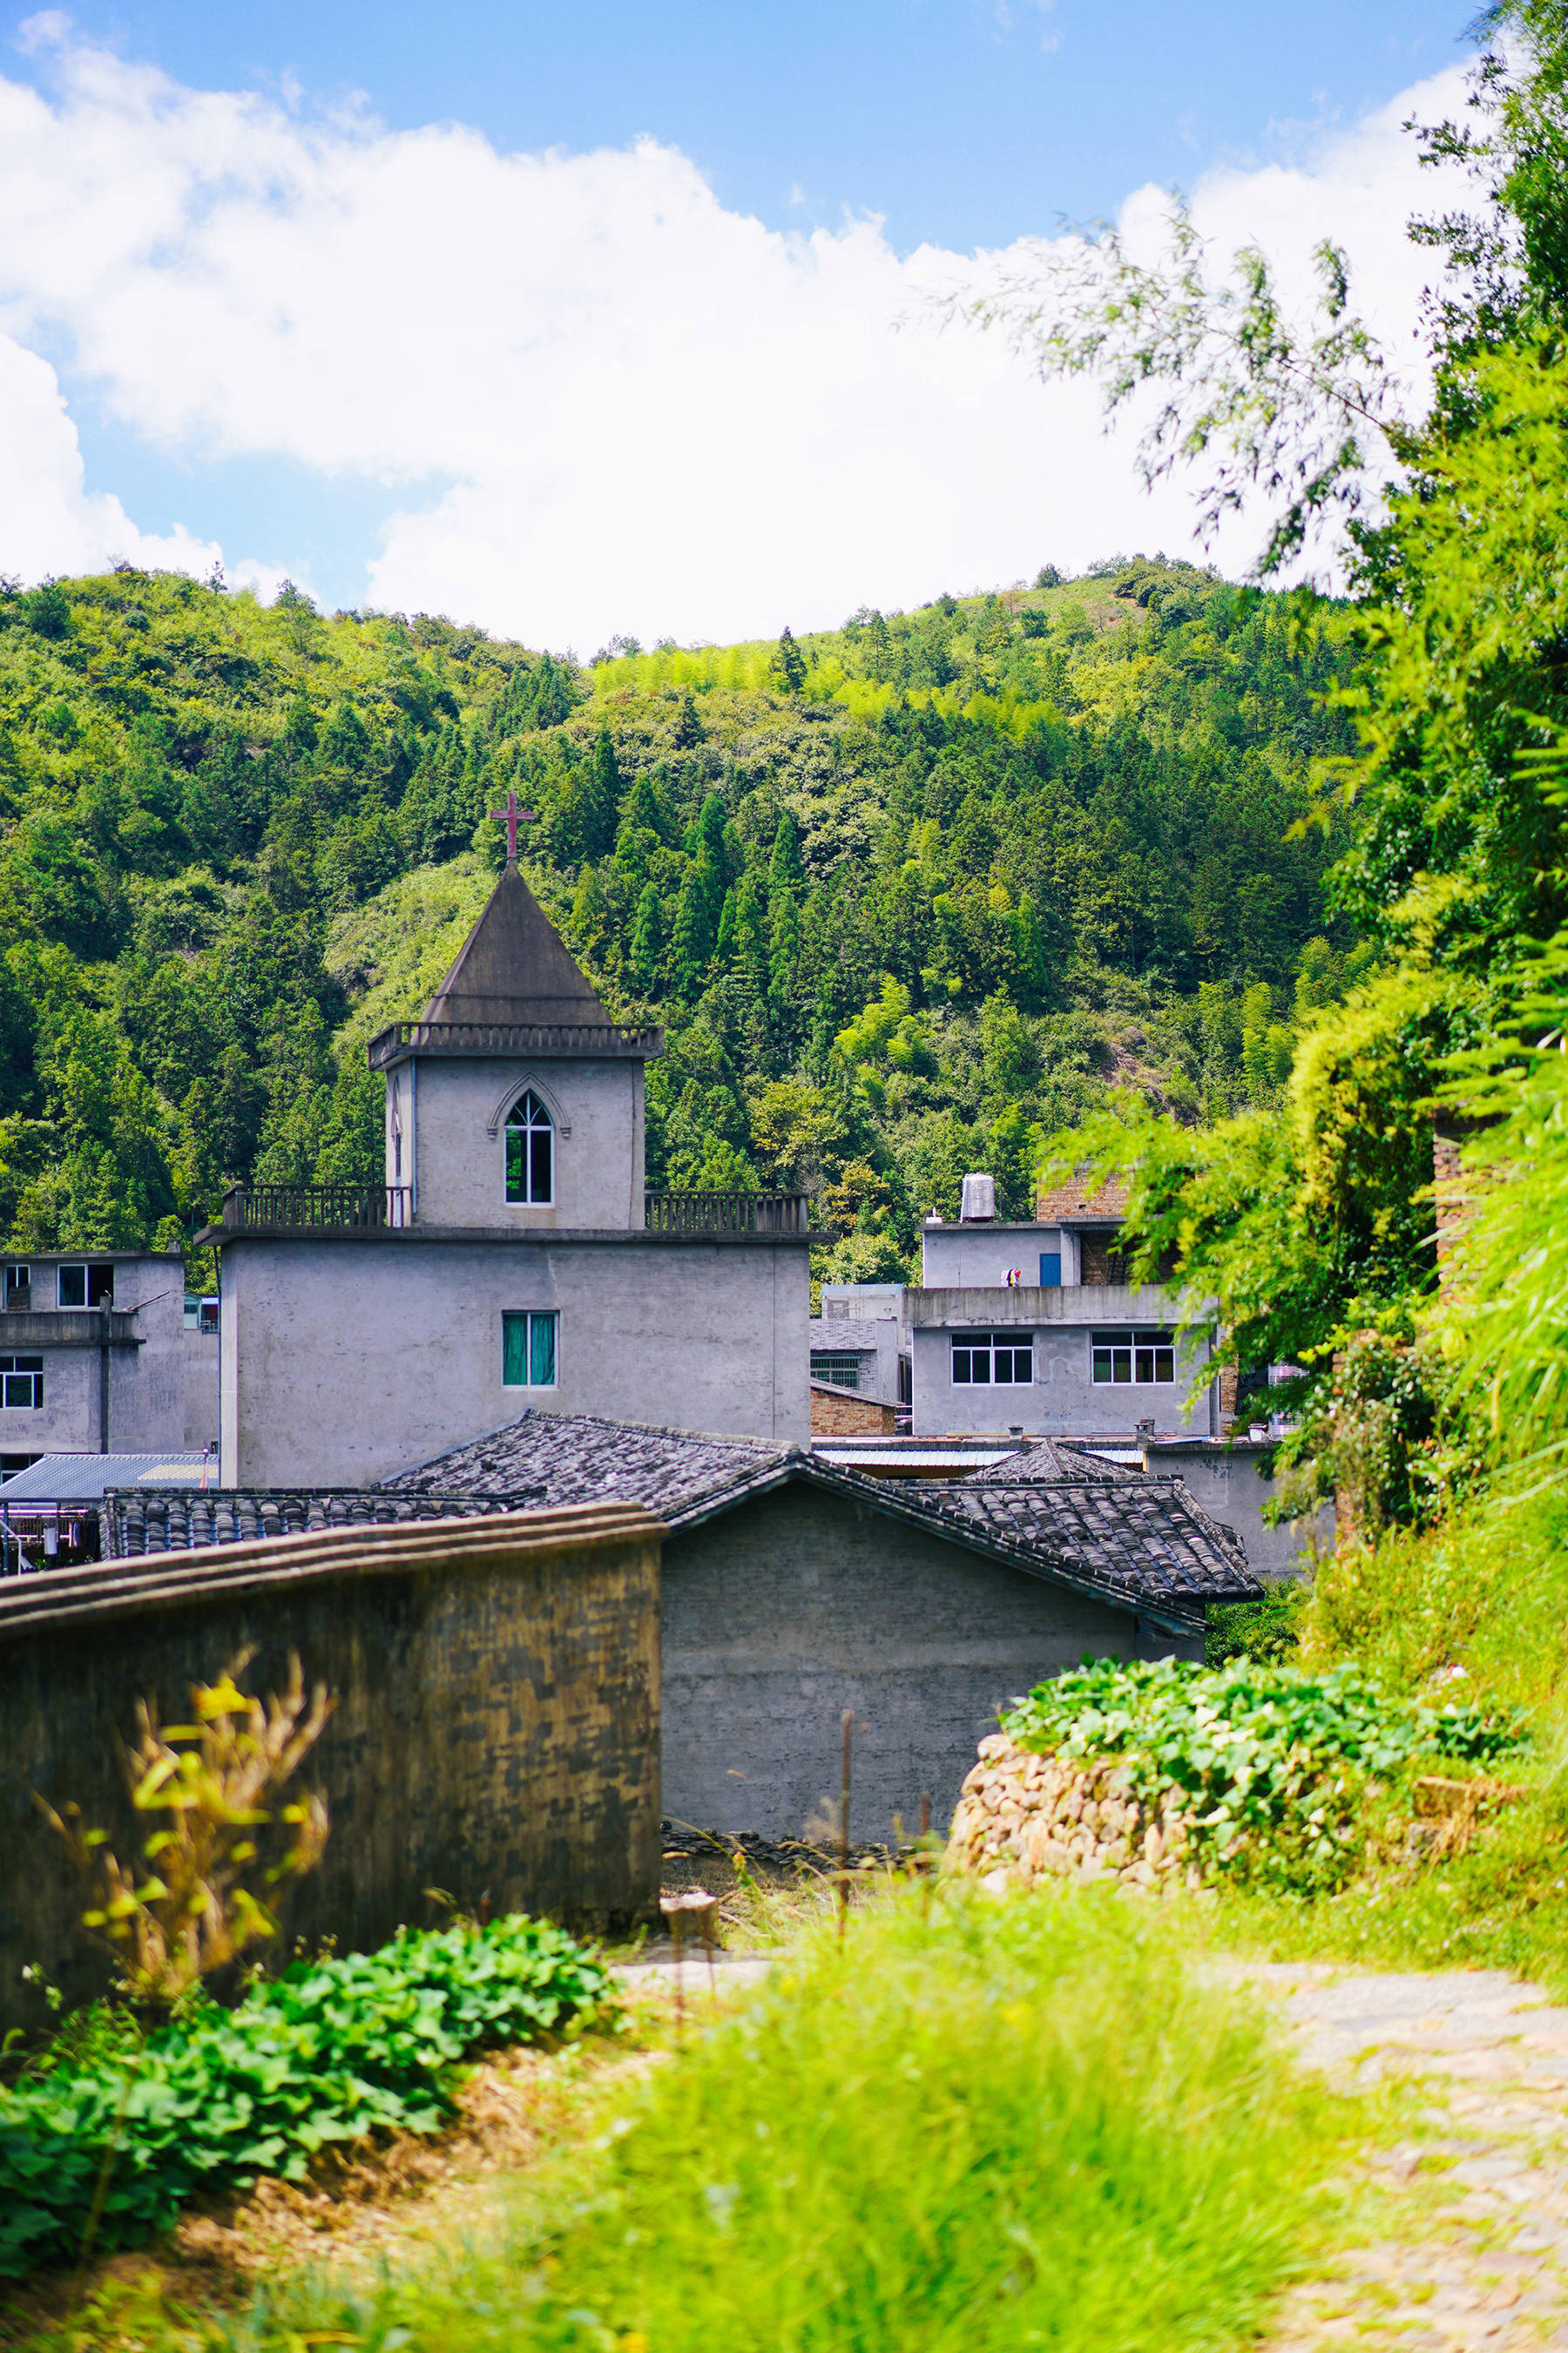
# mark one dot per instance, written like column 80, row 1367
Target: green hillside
column 901, row 891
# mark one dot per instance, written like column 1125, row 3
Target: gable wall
column 789, row 1608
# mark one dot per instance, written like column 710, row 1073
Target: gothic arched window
column 529, row 1151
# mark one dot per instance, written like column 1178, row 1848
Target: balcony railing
column 317, row 1208
column 727, row 1213
column 549, row 1039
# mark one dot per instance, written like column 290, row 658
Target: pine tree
column 694, row 927
column 785, row 873
column 784, row 953
column 751, row 936
column 788, row 670
column 1034, row 979
column 647, row 941
column 601, row 798
column 590, row 911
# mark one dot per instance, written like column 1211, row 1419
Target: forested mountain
column 901, row 892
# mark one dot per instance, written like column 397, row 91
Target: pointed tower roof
column 515, row 988
column 514, row 966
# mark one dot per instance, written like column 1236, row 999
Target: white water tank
column 979, row 1200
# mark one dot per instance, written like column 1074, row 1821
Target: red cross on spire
column 514, row 814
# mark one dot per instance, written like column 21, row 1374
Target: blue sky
column 963, row 124
column 181, row 258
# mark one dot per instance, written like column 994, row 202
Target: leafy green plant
column 1272, row 1763
column 330, row 2051
column 214, row 1786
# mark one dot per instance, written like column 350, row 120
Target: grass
column 1472, row 1611
column 1010, row 2124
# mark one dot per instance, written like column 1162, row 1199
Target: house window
column 528, row 1348
column 1135, row 1358
column 845, row 1370
column 17, row 1279
column 85, row 1287
column 992, row 1358
column 529, row 1151
column 22, row 1382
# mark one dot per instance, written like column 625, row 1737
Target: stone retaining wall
column 1024, row 1818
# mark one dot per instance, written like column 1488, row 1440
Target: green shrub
column 1272, row 1763
column 1263, row 1630
column 1022, row 2124
column 330, row 2051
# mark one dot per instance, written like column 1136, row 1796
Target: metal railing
column 727, row 1213
column 317, row 1209
column 557, row 1039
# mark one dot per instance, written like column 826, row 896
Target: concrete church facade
column 513, row 1257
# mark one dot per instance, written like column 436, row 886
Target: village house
column 511, row 1255
column 98, row 1355
column 793, row 1589
column 1033, row 1329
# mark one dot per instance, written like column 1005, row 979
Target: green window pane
column 514, row 1349
column 542, row 1366
column 516, row 1164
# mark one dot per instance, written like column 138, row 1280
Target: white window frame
column 17, row 1372
column 543, row 1120
column 990, row 1346
column 1143, row 1352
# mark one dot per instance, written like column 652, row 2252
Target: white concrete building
column 95, row 1357
column 512, row 1257
column 1030, row 1328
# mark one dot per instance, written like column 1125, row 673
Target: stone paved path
column 1483, row 2259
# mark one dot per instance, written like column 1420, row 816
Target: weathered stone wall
column 844, row 1413
column 1025, row 1818
column 796, row 1605
column 496, row 1734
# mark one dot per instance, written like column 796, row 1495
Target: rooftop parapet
column 542, row 1040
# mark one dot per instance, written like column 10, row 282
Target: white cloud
column 653, row 414
column 49, row 522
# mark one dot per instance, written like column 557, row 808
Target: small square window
column 21, row 1383
column 528, row 1348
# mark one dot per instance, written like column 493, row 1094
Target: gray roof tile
column 1142, row 1543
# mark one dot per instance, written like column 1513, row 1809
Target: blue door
column 1050, row 1270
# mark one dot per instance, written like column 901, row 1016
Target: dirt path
column 1483, row 2260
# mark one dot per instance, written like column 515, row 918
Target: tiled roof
column 1050, row 1459
column 581, row 1457
column 1144, row 1538
column 1141, row 1543
column 846, row 1336
column 1081, row 1199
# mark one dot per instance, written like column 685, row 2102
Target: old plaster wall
column 1222, row 1477
column 344, row 1361
column 954, row 1255
column 202, row 1407
column 453, row 1117
column 796, row 1605
column 1062, row 1400
column 496, row 1733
